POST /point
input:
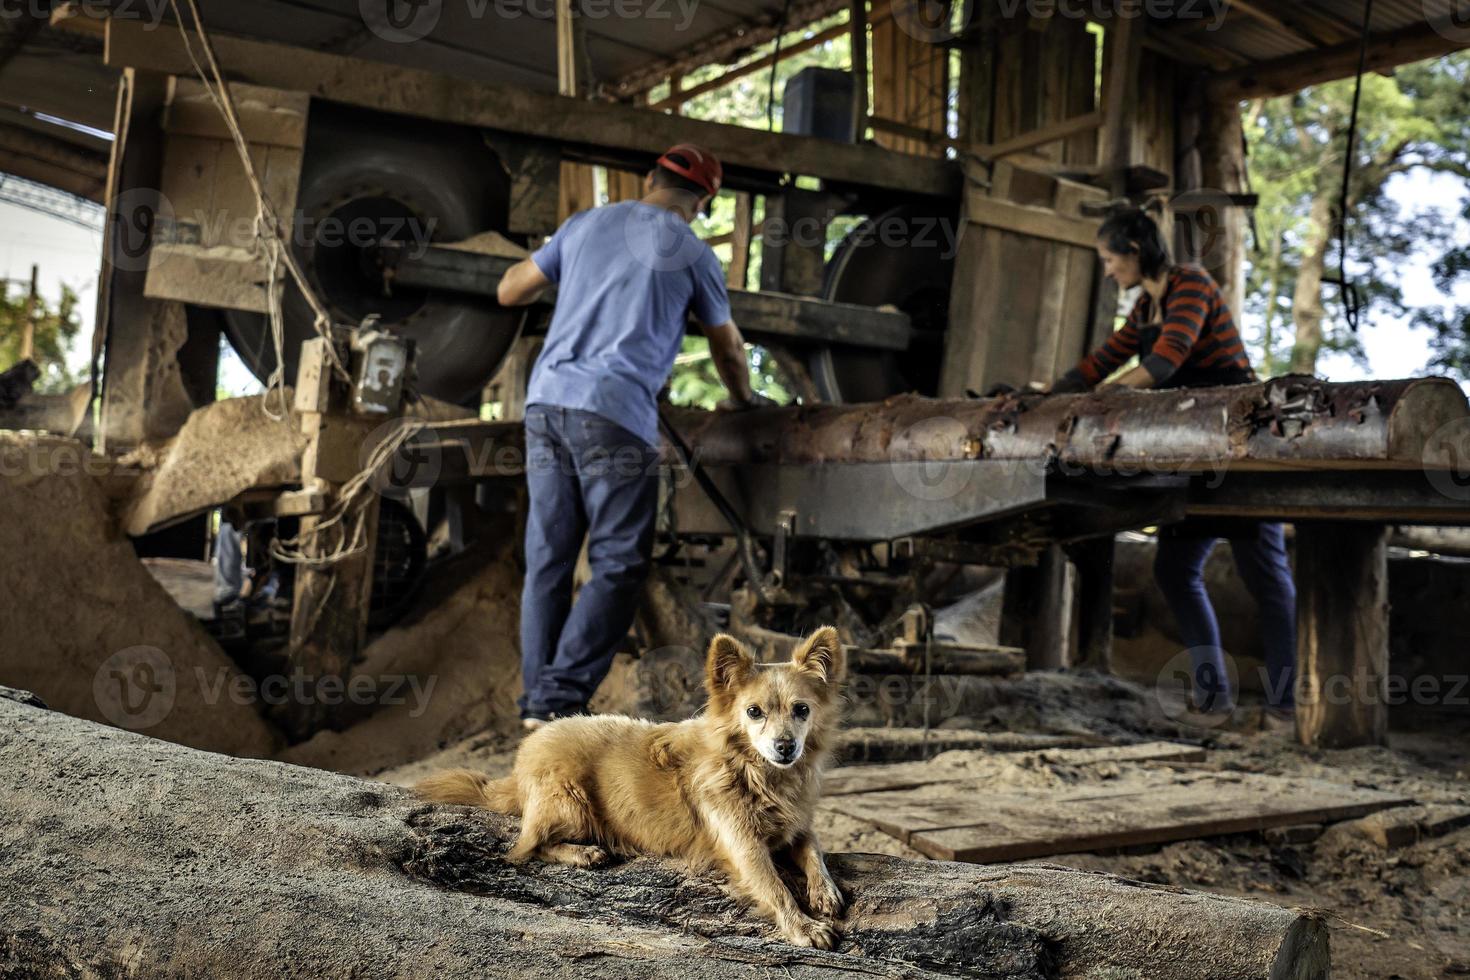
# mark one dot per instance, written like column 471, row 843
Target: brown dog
column 726, row 788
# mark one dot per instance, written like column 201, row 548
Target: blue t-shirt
column 628, row 275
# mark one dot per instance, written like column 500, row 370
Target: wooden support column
column 740, row 238
column 1342, row 634
column 1220, row 236
column 1124, row 45
column 1094, row 596
column 794, row 240
column 857, row 16
column 330, row 612
column 143, row 395
column 1033, row 610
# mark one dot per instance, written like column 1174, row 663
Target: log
column 128, row 856
column 1280, row 424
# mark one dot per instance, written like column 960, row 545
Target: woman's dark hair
column 1133, row 231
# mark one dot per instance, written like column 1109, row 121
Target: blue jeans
column 1260, row 557
column 588, row 478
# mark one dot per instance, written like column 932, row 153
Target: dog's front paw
column 810, row 932
column 825, row 899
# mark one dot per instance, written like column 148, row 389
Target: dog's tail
column 466, row 787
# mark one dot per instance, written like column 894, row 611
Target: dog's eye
column 754, row 711
column 801, row 711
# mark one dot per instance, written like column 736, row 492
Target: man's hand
column 756, row 400
column 727, row 350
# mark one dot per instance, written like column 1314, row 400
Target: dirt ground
column 1401, row 913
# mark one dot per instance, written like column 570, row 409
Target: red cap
column 694, row 163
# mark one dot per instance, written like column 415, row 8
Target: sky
column 67, row 253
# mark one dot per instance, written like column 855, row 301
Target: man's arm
column 522, row 284
column 727, row 350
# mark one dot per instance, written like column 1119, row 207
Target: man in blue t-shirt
column 628, row 277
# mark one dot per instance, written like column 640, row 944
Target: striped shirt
column 1195, row 342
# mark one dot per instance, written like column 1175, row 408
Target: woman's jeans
column 1260, row 557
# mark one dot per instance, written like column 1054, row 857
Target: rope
column 775, row 64
column 269, row 235
column 1352, row 305
column 329, row 540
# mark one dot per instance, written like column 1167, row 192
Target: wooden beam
column 994, row 151
column 1025, row 219
column 1342, row 634
column 1120, row 100
column 606, row 129
column 678, row 96
column 739, row 268
column 1296, row 72
column 857, row 22
column 58, row 163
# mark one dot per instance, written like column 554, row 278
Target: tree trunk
column 1306, row 303
column 125, row 855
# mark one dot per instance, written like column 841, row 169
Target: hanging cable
column 270, row 236
column 1351, row 300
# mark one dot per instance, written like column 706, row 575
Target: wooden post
column 28, row 320
column 330, row 611
column 142, row 393
column 1125, row 44
column 1033, row 611
column 857, row 16
column 736, row 275
column 1094, row 561
column 1342, row 634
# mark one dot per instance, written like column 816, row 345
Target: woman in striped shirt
column 1183, row 335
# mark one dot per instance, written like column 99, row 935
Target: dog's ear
column 820, row 655
column 727, row 663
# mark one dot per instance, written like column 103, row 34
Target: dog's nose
column 786, row 747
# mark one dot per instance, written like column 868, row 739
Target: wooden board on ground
column 963, row 821
column 857, row 745
column 847, row 780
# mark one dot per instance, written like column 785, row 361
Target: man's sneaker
column 533, row 720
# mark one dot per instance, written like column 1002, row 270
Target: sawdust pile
column 87, row 628
column 444, row 673
column 223, row 449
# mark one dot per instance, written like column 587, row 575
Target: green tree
column 1417, row 119
column 55, row 327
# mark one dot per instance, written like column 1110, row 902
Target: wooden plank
column 969, row 823
column 851, row 780
column 641, row 134
column 1034, row 222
